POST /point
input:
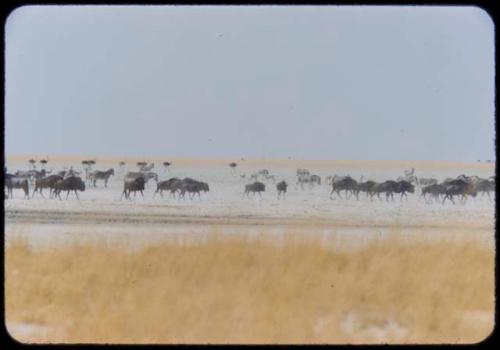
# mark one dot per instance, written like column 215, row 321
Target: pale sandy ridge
column 256, row 162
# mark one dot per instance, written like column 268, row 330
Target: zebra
column 302, row 171
column 308, row 179
column 424, row 181
column 102, row 175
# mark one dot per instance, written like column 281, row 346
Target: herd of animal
column 70, row 181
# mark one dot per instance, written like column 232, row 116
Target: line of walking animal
column 69, row 180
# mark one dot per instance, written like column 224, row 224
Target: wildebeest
column 435, row 190
column 147, row 175
column 46, row 182
column 256, row 187
column 166, row 185
column 13, row 181
column 366, row 187
column 404, row 187
column 193, row 188
column 346, row 183
column 101, row 175
column 458, row 187
column 133, row 184
column 281, row 188
column 68, row 184
column 485, row 186
column 390, row 187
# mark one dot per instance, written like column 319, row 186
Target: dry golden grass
column 233, row 290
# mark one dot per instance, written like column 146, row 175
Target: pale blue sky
column 307, row 82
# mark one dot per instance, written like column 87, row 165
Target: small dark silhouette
column 281, row 187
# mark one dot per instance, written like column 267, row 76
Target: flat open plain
column 101, row 217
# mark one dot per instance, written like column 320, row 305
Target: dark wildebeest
column 256, row 187
column 133, row 184
column 147, row 175
column 193, row 187
column 71, row 183
column 404, row 187
column 101, row 175
column 165, row 185
column 176, row 187
column 13, row 181
column 366, row 187
column 458, row 187
column 435, row 190
column 46, row 182
column 281, row 187
column 388, row 187
column 346, row 183
column 485, row 186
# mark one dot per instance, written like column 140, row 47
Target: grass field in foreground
column 232, row 290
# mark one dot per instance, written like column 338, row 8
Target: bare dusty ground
column 52, row 227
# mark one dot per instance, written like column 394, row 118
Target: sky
column 305, row 82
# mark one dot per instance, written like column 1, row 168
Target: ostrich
column 121, row 167
column 141, row 165
column 44, row 163
column 32, row 163
column 166, row 165
column 233, row 166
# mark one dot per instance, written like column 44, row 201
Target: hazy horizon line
column 236, row 158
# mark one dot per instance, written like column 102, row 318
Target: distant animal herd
column 71, row 181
